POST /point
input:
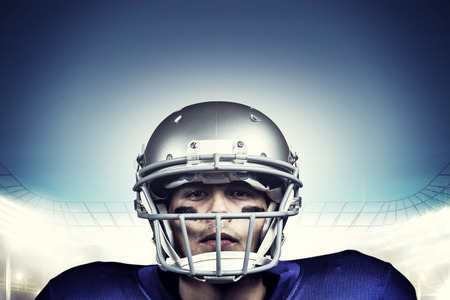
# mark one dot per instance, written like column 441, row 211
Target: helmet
column 217, row 142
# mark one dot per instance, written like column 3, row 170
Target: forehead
column 223, row 186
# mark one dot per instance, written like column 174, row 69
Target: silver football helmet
column 217, row 142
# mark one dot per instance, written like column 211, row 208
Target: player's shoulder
column 349, row 259
column 352, row 272
column 95, row 280
column 100, row 270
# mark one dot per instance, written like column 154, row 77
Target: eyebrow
column 213, row 185
column 192, row 210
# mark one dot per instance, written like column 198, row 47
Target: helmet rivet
column 263, row 155
column 193, row 145
column 240, row 144
column 169, row 156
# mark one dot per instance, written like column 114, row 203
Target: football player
column 217, row 182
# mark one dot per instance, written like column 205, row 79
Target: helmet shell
column 203, row 142
column 216, row 121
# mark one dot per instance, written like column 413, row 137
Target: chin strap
column 219, row 280
column 231, row 261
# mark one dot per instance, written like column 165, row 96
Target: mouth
column 226, row 241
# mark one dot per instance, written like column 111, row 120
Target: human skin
column 234, row 197
column 226, row 198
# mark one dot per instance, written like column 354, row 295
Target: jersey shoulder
column 351, row 273
column 98, row 280
column 348, row 260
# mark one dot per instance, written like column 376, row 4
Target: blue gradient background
column 360, row 88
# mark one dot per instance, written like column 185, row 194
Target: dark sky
column 361, row 88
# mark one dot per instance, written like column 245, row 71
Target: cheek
column 172, row 205
column 194, row 230
column 260, row 202
column 178, row 237
column 257, row 231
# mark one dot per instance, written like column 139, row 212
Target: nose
column 219, row 203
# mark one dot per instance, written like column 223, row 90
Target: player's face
column 227, row 198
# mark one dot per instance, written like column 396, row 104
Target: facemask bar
column 212, row 163
column 244, row 270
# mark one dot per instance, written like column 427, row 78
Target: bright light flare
column 444, row 292
column 19, row 276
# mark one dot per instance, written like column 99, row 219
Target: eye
column 196, row 195
column 241, row 194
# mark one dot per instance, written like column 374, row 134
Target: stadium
column 41, row 237
column 360, row 89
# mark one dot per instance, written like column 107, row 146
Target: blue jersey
column 344, row 275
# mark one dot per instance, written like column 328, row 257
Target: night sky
column 360, row 88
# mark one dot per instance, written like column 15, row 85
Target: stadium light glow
column 444, row 291
column 417, row 247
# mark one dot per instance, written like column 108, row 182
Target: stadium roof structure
column 85, row 216
column 411, row 232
